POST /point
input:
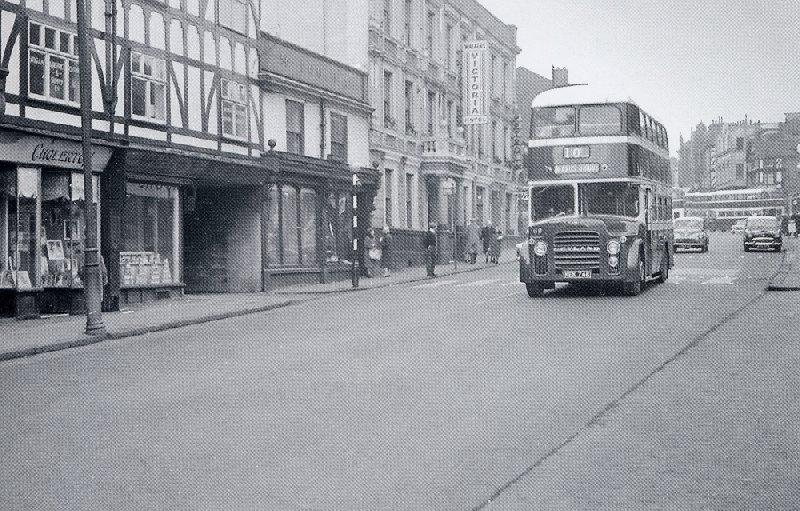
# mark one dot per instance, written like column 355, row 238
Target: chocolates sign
column 49, row 152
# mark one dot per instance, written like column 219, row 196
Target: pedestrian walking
column 429, row 242
column 473, row 240
column 487, row 236
column 496, row 247
column 386, row 244
column 373, row 259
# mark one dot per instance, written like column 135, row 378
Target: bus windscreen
column 551, row 201
column 621, row 199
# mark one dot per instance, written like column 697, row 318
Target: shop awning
column 195, row 169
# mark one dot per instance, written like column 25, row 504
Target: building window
column 62, row 228
column 388, row 192
column 492, row 77
column 292, row 226
column 387, row 16
column 295, row 127
column 739, row 143
column 233, row 15
column 234, row 109
column 151, row 236
column 409, row 88
column 338, row 233
column 448, row 45
column 388, row 120
column 505, row 81
column 409, row 201
column 494, row 142
column 148, row 87
column 739, row 170
column 339, row 137
column 429, row 34
column 42, row 227
column 505, row 144
column 407, row 21
column 431, row 112
column 53, row 64
column 450, row 118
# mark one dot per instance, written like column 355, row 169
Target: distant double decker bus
column 599, row 195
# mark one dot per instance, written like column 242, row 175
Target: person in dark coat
column 386, row 244
column 429, row 242
column 473, row 240
column 488, row 238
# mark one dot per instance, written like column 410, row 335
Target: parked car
column 738, row 227
column 691, row 232
column 762, row 232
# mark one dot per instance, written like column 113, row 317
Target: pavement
column 54, row 333
column 403, row 276
column 788, row 276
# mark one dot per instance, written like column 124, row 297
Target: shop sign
column 50, row 152
column 475, row 80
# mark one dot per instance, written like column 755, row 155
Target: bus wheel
column 635, row 288
column 664, row 275
column 535, row 289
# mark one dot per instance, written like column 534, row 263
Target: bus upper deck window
column 554, row 122
column 600, row 120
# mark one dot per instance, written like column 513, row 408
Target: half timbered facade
column 179, row 143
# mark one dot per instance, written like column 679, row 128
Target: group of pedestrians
column 486, row 237
column 378, row 243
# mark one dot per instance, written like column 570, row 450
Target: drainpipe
column 322, row 129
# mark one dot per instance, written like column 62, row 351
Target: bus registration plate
column 577, row 274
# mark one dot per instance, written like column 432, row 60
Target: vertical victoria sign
column 475, row 80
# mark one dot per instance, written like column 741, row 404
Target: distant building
column 435, row 169
column 529, row 85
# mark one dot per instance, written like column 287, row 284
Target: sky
column 683, row 61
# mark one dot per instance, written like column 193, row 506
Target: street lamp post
column 92, row 278
column 354, row 266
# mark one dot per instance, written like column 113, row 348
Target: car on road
column 762, row 232
column 738, row 226
column 691, row 232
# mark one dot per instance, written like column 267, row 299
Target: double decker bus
column 599, row 193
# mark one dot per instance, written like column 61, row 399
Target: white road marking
column 477, row 283
column 727, row 280
column 438, row 283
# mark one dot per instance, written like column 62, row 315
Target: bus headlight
column 540, row 248
column 623, row 239
column 612, row 247
column 613, row 261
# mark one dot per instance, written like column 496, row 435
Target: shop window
column 338, row 231
column 339, row 137
column 292, row 227
column 62, row 227
column 151, row 236
column 234, row 109
column 295, row 127
column 148, row 87
column 52, row 64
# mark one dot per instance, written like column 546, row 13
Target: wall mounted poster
column 55, row 250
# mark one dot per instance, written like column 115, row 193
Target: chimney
column 560, row 76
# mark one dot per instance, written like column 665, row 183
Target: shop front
column 308, row 219
column 187, row 223
column 42, row 223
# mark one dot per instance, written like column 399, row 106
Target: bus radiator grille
column 576, row 250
